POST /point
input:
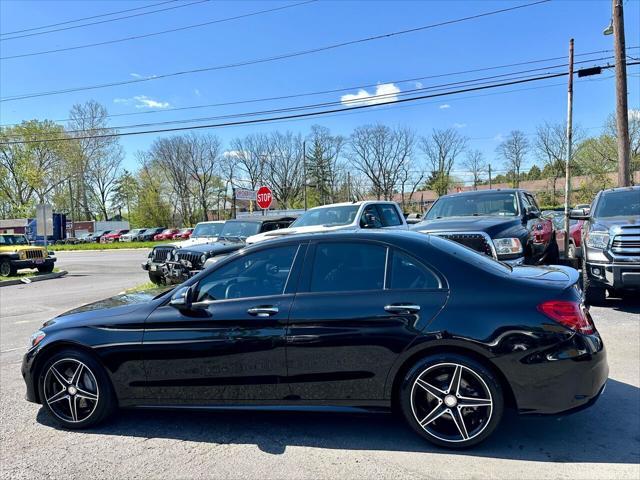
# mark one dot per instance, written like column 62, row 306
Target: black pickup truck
column 611, row 244
column 504, row 224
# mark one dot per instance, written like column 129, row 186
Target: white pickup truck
column 341, row 216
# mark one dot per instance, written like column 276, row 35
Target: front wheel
column 45, row 269
column 451, row 400
column 75, row 390
column 6, row 269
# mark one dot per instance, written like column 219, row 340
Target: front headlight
column 599, row 240
column 36, row 338
column 507, row 246
column 22, row 254
column 203, row 258
column 50, row 253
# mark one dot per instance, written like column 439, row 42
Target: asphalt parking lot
column 601, row 442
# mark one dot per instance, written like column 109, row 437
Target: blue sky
column 537, row 32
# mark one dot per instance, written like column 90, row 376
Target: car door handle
column 402, row 308
column 265, row 311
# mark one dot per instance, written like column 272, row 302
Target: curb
column 38, row 278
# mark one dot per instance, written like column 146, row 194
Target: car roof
column 621, row 189
column 396, row 237
column 264, row 219
column 360, row 202
column 470, row 193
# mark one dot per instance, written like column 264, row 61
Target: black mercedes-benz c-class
column 350, row 320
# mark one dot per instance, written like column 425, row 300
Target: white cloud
column 197, row 92
column 459, row 125
column 633, row 114
column 142, row 101
column 135, row 75
column 419, row 85
column 387, row 92
column 499, row 138
column 444, row 106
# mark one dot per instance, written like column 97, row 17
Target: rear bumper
column 561, row 379
column 614, row 275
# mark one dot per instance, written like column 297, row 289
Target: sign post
column 44, row 221
column 264, row 197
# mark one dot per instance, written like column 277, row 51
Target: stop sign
column 264, row 197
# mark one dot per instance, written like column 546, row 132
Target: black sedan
column 363, row 320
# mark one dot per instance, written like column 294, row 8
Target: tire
column 46, row 269
column 553, row 253
column 424, row 393
column 76, row 399
column 593, row 294
column 156, row 278
column 6, row 269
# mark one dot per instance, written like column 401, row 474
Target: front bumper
column 33, row 262
column 27, row 376
column 620, row 276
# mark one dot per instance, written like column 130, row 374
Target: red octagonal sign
column 264, row 197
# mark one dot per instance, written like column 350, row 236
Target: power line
column 172, row 30
column 298, row 115
column 87, row 18
column 272, row 58
column 103, row 21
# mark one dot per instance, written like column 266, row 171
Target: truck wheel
column 45, row 269
column 553, row 254
column 157, row 279
column 593, row 294
column 6, row 269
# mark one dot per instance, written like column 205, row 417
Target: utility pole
column 304, row 173
column 489, row 176
column 567, row 168
column 622, row 119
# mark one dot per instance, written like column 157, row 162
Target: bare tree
column 98, row 158
column 514, row 150
column 251, row 153
column 381, row 153
column 322, row 158
column 202, row 162
column 477, row 166
column 441, row 149
column 284, row 167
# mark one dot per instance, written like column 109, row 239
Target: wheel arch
column 394, row 387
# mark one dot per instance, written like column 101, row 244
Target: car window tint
column 533, row 202
column 371, row 217
column 389, row 214
column 258, row 274
column 342, row 267
column 407, row 273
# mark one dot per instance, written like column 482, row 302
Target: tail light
column 570, row 314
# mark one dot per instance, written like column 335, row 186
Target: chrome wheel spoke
column 76, row 375
column 87, row 395
column 454, row 386
column 61, row 395
column 436, row 392
column 464, row 402
column 73, row 407
column 458, row 419
column 59, row 377
column 437, row 412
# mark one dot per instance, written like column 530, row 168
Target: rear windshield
column 328, row 216
column 620, row 203
column 240, row 229
column 498, row 203
column 207, row 230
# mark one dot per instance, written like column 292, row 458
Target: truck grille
column 160, row 254
column 194, row 258
column 627, row 242
column 475, row 241
column 34, row 254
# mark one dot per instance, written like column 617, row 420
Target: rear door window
column 344, row 266
column 389, row 214
column 407, row 273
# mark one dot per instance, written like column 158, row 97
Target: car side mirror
column 578, row 214
column 183, row 298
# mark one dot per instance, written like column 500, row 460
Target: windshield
column 207, row 230
column 328, row 216
column 621, row 203
column 240, row 229
column 13, row 240
column 498, row 203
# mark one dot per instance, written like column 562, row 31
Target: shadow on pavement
column 608, row 432
column 625, row 305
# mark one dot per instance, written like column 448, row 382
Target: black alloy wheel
column 451, row 400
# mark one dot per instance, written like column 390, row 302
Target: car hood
column 215, row 248
column 295, row 231
column 117, row 309
column 492, row 225
column 613, row 222
column 18, row 248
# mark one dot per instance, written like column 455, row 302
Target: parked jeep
column 342, row 216
column 611, row 244
column 185, row 262
column 16, row 253
column 504, row 224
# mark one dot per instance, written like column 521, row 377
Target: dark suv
column 504, row 224
column 611, row 243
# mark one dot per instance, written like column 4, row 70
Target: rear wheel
column 75, row 389
column 593, row 294
column 451, row 400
